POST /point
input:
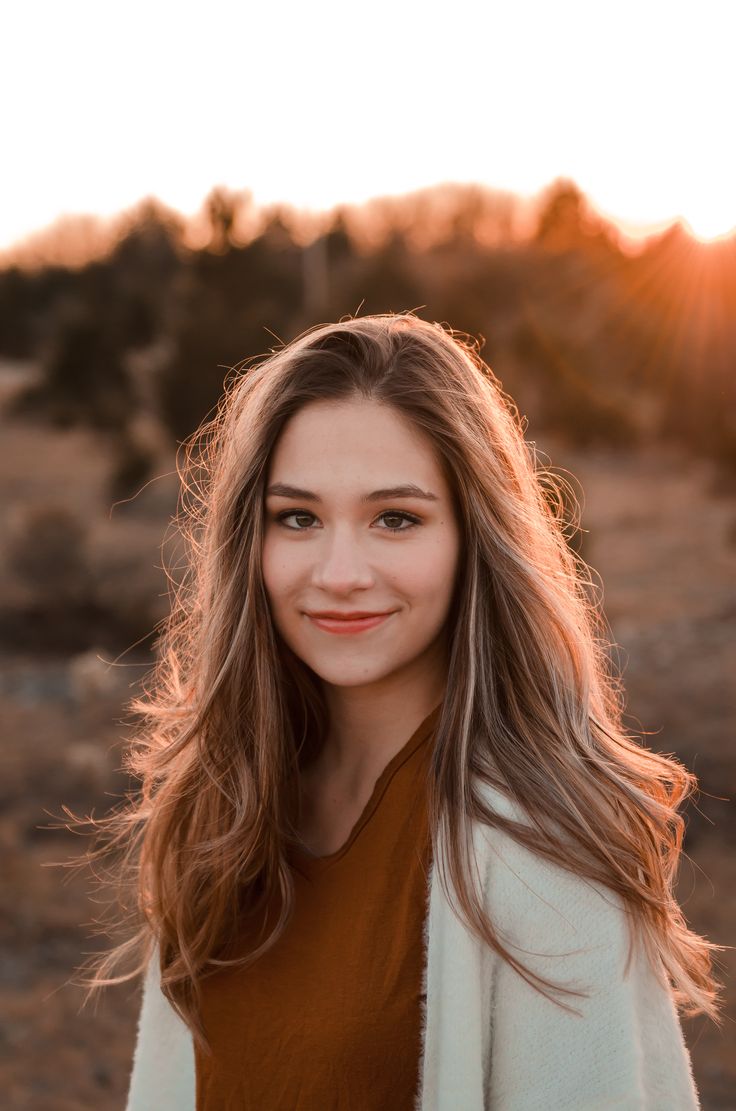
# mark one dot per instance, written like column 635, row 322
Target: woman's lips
column 356, row 625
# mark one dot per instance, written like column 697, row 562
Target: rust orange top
column 331, row 1016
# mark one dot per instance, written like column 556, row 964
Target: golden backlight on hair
column 533, row 704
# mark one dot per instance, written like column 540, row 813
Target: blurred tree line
column 594, row 342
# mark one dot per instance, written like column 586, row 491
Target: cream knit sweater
column 490, row 1041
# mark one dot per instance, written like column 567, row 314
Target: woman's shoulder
column 576, row 933
column 538, row 902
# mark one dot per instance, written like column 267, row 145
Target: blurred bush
column 47, row 553
column 67, row 596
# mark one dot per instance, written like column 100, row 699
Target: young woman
column 394, row 848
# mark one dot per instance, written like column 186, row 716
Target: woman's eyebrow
column 407, row 490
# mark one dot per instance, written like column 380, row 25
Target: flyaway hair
column 534, row 705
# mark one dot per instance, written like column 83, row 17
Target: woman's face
column 340, row 541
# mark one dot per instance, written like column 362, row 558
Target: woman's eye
column 293, row 513
column 408, row 517
column 407, row 520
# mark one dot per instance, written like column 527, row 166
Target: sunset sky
column 320, row 103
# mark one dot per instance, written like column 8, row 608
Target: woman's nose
column 341, row 562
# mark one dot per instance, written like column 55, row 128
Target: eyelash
column 413, row 521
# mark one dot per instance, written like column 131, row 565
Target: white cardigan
column 490, row 1041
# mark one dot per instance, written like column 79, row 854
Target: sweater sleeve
column 627, row 1050
column 163, row 1076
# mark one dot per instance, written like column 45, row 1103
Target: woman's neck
column 367, row 727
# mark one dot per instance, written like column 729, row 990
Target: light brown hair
column 534, row 705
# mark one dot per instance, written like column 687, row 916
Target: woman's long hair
column 533, row 705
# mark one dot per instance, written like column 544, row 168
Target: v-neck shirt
column 331, row 1015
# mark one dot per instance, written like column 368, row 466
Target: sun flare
column 714, row 221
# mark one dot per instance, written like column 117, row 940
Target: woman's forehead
column 353, row 436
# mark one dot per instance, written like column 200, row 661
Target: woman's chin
column 360, row 674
